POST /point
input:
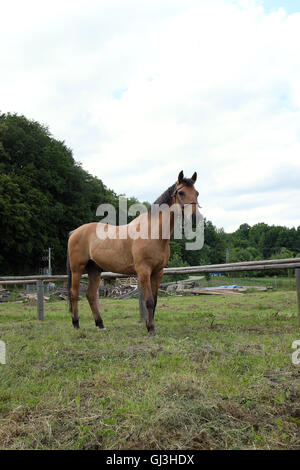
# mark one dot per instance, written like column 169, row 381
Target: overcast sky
column 141, row 89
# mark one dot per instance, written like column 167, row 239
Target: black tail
column 69, row 282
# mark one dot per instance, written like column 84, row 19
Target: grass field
column 219, row 375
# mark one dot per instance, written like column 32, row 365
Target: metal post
column 297, row 274
column 49, row 261
column 40, row 299
column 142, row 305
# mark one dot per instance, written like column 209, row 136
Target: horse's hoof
column 99, row 328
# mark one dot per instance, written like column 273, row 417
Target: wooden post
column 297, row 274
column 40, row 299
column 142, row 305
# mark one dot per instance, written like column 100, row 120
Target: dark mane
column 165, row 197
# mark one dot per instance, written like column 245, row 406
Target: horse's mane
column 165, row 197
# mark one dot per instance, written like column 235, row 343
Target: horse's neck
column 164, row 223
column 154, row 223
column 171, row 223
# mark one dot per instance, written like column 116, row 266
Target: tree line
column 45, row 193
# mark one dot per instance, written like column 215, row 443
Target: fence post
column 40, row 299
column 142, row 305
column 297, row 274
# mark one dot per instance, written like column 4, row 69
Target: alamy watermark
column 2, row 352
column 296, row 354
column 160, row 221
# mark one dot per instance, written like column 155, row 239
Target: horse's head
column 187, row 197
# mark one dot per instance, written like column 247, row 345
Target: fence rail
column 287, row 263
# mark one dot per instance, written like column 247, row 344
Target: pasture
column 219, row 375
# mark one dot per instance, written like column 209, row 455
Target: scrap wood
column 163, row 291
column 4, row 294
column 207, row 292
column 245, row 288
column 129, row 294
column 31, row 299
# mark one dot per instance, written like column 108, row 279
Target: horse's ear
column 180, row 177
column 194, row 177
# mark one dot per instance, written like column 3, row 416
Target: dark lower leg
column 150, row 317
column 92, row 296
column 74, row 299
column 74, row 295
column 155, row 302
column 155, row 282
column 144, row 278
column 96, row 313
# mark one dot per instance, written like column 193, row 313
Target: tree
column 44, row 194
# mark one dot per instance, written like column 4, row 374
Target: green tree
column 44, row 194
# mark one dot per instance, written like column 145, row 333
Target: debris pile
column 190, row 287
column 62, row 291
column 4, row 294
column 123, row 288
column 30, row 299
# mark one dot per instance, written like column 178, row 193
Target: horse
column 145, row 257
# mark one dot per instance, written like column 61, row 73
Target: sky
column 140, row 90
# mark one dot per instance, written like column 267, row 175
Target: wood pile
column 124, row 288
column 4, row 294
column 207, row 292
column 121, row 289
column 62, row 291
column 172, row 287
column 31, row 299
column 127, row 281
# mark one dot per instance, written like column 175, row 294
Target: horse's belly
column 114, row 256
column 115, row 267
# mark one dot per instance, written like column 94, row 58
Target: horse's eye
column 181, row 193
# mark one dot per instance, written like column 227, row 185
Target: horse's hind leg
column 155, row 283
column 144, row 279
column 92, row 294
column 74, row 295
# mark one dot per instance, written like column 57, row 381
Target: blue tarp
column 223, row 287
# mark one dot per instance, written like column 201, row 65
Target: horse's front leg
column 155, row 283
column 145, row 283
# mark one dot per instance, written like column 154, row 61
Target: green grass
column 219, row 375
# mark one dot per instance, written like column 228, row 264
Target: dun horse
column 145, row 257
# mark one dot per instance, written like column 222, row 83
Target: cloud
column 140, row 90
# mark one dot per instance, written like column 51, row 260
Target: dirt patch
column 202, row 442
column 240, row 412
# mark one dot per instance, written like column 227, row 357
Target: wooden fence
column 288, row 263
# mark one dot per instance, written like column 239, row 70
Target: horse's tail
column 69, row 282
